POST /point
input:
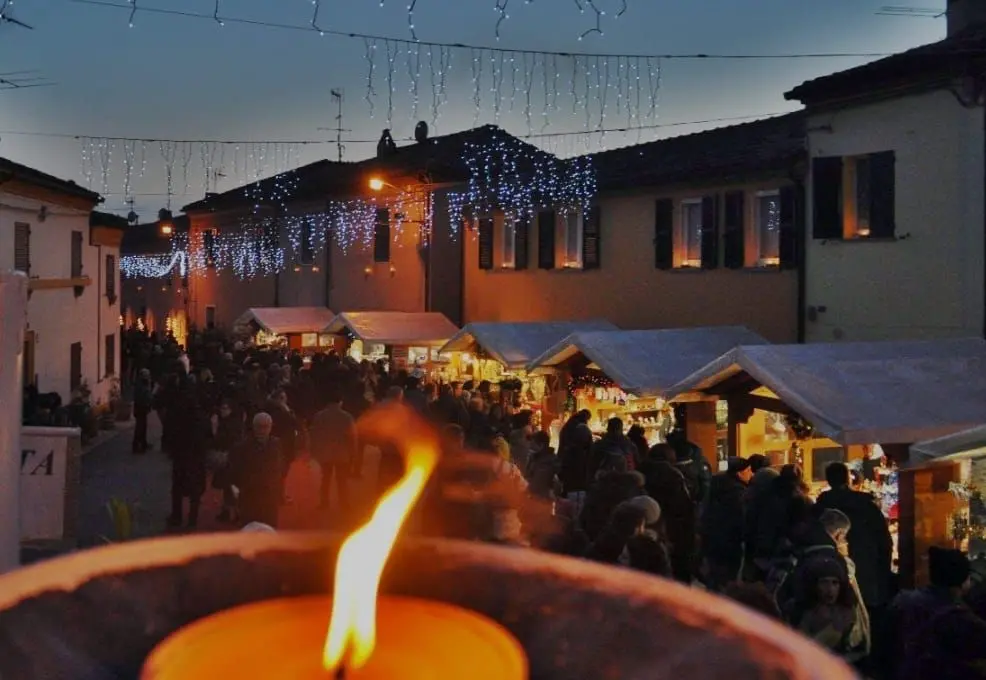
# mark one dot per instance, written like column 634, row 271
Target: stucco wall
column 627, row 289
column 57, row 317
column 929, row 282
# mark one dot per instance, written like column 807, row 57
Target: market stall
column 857, row 403
column 499, row 352
column 623, row 374
column 293, row 327
column 403, row 340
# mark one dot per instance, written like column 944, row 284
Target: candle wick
column 341, row 672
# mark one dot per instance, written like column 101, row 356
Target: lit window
column 767, row 225
column 309, row 339
column 690, row 234
column 572, row 224
column 509, row 244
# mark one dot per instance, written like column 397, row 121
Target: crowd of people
column 236, row 417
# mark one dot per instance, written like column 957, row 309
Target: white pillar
column 13, row 309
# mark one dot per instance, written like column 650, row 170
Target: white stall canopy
column 863, row 392
column 646, row 363
column 515, row 344
column 402, row 329
column 286, row 320
column 969, row 443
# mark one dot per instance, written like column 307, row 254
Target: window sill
column 762, row 268
column 862, row 239
column 687, row 270
column 51, row 284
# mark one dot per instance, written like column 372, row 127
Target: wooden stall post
column 700, row 428
column 740, row 411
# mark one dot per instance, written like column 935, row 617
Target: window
column 381, row 236
column 766, row 241
column 22, row 247
column 689, row 248
column 306, row 254
column 110, row 275
column 309, row 340
column 509, row 232
column 75, row 366
column 210, row 317
column 76, row 255
column 209, row 244
column 110, row 355
column 572, row 239
column 854, row 197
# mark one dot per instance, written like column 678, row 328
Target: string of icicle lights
column 504, row 175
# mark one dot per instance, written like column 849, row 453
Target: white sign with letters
column 44, row 480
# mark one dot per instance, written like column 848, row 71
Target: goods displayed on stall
column 605, row 400
column 296, row 328
column 403, row 341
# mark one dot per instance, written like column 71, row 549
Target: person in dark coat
column 770, row 515
column 667, row 486
column 636, row 436
column 870, row 544
column 611, row 489
column 613, row 452
column 334, row 444
column 934, row 634
column 228, row 431
column 188, row 432
column 255, row 472
column 286, row 430
column 143, row 402
column 722, row 525
column 574, row 447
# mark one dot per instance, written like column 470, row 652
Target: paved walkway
column 111, row 471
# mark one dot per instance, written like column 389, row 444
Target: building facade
column 71, row 255
column 895, row 246
column 700, row 230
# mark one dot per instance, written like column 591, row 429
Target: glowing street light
column 377, row 184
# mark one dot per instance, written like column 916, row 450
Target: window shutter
column 710, row 232
column 826, row 184
column 546, row 239
column 734, row 230
column 486, row 243
column 591, row 228
column 522, row 230
column 882, row 194
column 381, row 236
column 792, row 226
column 664, row 234
column 110, row 275
column 75, row 366
column 22, row 247
column 76, row 254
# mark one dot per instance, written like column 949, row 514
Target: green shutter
column 664, row 234
column 826, row 184
column 883, row 194
column 734, row 230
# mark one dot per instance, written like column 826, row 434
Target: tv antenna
column 338, row 97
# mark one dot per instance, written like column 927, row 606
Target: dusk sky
column 186, row 78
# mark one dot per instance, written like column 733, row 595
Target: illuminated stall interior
column 623, row 374
column 297, row 328
column 408, row 341
column 500, row 353
column 857, row 403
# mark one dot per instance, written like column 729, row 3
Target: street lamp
column 377, row 184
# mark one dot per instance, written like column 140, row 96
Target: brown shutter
column 826, row 184
column 381, row 236
column 75, row 365
column 110, row 275
column 591, row 229
column 664, row 234
column 546, row 239
column 522, row 230
column 109, row 358
column 792, row 226
column 882, row 194
column 710, row 232
column 486, row 243
column 22, row 247
column 734, row 230
column 76, row 254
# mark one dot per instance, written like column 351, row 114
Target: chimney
column 963, row 14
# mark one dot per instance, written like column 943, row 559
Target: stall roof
column 287, row 320
column 969, row 443
column 395, row 328
column 865, row 392
column 646, row 363
column 515, row 344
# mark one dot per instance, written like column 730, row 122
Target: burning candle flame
column 352, row 631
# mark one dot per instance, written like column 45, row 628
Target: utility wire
column 133, row 8
column 543, row 135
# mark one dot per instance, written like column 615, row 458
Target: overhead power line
column 133, row 9
column 905, row 11
column 312, row 142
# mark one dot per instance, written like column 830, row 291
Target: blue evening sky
column 185, row 78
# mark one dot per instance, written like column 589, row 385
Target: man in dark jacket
column 870, row 544
column 667, row 486
column 143, row 402
column 334, row 445
column 722, row 524
column 255, row 471
column 574, row 445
